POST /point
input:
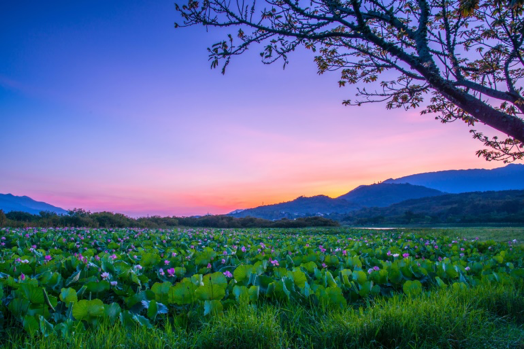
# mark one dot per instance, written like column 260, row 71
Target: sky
column 105, row 106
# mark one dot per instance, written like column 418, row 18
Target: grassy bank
column 495, row 233
column 488, row 316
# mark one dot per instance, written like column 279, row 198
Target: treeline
column 82, row 218
column 471, row 208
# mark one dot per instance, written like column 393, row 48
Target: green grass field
column 463, row 294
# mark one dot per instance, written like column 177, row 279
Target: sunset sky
column 105, row 106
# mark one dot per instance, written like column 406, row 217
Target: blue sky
column 105, row 106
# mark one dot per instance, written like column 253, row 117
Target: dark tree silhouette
column 459, row 59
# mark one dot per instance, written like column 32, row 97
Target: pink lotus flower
column 171, row 272
column 405, row 255
column 228, row 274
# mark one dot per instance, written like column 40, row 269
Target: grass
column 498, row 234
column 488, row 316
column 485, row 233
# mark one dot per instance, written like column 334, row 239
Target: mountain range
column 394, row 191
column 510, row 177
column 9, row 202
column 300, row 207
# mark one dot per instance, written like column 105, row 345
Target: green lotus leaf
column 45, row 327
column 69, row 328
column 278, row 290
column 451, row 272
column 517, row 272
column 182, row 293
column 142, row 321
column 360, row 276
column 254, row 292
column 440, row 283
column 197, row 280
column 31, row 324
column 34, row 294
column 309, row 267
column 356, row 262
column 203, row 258
column 457, row 286
column 112, row 312
column 241, row 294
column 73, row 278
column 263, row 282
column 394, row 274
column 330, row 280
column 214, row 287
column 213, row 307
column 126, row 319
column 242, row 273
column 149, row 259
column 98, row 287
column 85, row 309
column 300, row 278
column 161, row 291
column 412, row 288
column 335, row 296
column 152, row 310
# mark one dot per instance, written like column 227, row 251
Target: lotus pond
column 57, row 282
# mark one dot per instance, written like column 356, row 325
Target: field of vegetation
column 261, row 288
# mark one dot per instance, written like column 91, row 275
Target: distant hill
column 475, row 207
column 300, row 207
column 385, row 194
column 510, row 177
column 9, row 202
column 364, row 196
